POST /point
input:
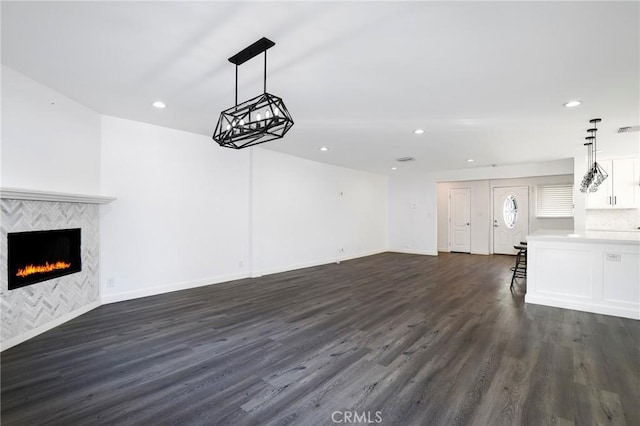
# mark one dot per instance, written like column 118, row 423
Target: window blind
column 554, row 201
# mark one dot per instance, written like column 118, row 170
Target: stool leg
column 515, row 270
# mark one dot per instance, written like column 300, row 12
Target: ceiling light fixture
column 324, row 148
column 595, row 174
column 244, row 124
column 572, row 104
column 394, row 168
column 418, row 131
column 405, row 159
column 620, row 130
column 159, row 104
column 470, row 160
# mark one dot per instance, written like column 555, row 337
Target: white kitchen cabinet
column 621, row 190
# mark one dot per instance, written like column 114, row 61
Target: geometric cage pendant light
column 257, row 120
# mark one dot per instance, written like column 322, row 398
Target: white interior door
column 460, row 220
column 510, row 218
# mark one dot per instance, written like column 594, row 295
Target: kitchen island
column 592, row 271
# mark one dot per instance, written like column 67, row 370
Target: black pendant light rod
column 251, row 52
column 593, row 131
column 589, row 146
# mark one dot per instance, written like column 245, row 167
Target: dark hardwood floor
column 406, row 339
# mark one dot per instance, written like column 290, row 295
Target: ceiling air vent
column 629, row 129
column 405, row 159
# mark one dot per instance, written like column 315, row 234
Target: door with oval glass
column 510, row 218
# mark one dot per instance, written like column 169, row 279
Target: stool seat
column 520, row 269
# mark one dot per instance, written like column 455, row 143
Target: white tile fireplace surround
column 34, row 309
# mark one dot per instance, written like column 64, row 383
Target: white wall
column 308, row 213
column 190, row 213
column 412, row 214
column 416, row 229
column 182, row 210
column 49, row 142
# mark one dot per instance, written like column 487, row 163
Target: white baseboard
column 48, row 326
column 152, row 291
column 168, row 288
column 411, row 251
column 633, row 313
column 363, row 254
column 293, row 267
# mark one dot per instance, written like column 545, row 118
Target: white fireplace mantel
column 29, row 194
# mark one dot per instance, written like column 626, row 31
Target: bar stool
column 520, row 270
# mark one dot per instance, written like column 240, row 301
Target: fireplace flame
column 41, row 269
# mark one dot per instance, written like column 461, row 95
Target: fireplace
column 42, row 255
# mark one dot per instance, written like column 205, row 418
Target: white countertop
column 615, row 230
column 616, row 237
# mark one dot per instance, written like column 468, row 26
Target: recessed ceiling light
column 418, row 131
column 470, row 160
column 572, row 104
column 159, row 104
column 324, row 148
column 394, row 168
column 629, row 129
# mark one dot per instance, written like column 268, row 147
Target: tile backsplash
column 613, row 219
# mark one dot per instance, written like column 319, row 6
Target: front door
column 460, row 220
column 510, row 218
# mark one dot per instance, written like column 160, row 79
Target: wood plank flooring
column 405, row 339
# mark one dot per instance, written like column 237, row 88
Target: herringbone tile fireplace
column 27, row 308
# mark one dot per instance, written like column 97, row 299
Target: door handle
column 610, row 201
column 495, row 225
column 615, row 200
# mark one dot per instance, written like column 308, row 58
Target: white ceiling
column 486, row 80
